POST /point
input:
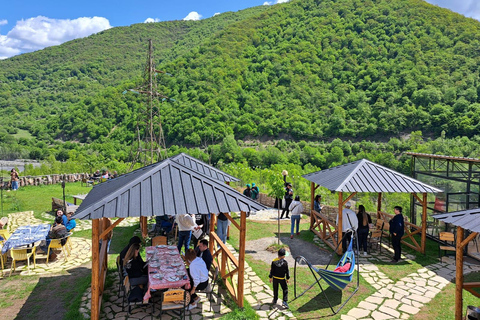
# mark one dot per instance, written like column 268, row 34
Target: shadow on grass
column 57, row 296
column 319, row 304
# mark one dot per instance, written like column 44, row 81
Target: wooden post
column 95, row 304
column 340, row 223
column 459, row 275
column 312, row 198
column 424, row 223
column 241, row 258
column 379, row 204
column 213, row 220
column 144, row 226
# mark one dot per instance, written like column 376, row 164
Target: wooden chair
column 375, row 238
column 174, row 299
column 159, row 240
column 21, row 255
column 447, row 243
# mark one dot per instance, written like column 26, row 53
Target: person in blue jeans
column 296, row 209
column 186, row 223
column 222, row 226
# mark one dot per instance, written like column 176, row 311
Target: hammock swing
column 335, row 279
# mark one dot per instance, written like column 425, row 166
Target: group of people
column 64, row 223
column 360, row 223
column 251, row 191
column 198, row 260
column 103, row 175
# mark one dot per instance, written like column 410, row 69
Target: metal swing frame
column 319, row 277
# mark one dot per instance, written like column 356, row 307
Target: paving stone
column 408, row 309
column 376, row 315
column 367, row 305
column 358, row 312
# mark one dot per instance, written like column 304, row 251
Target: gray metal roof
column 367, row 176
column 166, row 187
column 467, row 219
column 202, row 167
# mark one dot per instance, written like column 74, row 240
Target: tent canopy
column 163, row 188
column 367, row 176
column 467, row 219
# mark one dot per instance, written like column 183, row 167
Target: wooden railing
column 232, row 270
column 410, row 230
column 324, row 228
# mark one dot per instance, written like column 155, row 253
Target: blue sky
column 28, row 25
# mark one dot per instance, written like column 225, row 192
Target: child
column 279, row 275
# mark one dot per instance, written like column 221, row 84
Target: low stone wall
column 47, row 179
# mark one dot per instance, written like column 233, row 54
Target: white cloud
column 469, row 8
column 216, row 14
column 193, row 16
column 40, row 32
column 269, row 3
column 150, row 20
column 3, row 22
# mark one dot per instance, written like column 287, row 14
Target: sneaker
column 393, row 261
column 196, row 300
column 274, row 301
column 291, row 237
column 365, row 253
column 298, row 233
column 192, row 306
column 285, row 304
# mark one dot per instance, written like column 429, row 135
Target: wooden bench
column 59, row 204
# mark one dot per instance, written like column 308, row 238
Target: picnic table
column 79, row 197
column 166, row 269
column 26, row 235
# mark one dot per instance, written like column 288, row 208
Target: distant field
column 22, row 134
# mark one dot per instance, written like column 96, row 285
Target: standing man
column 14, row 179
column 349, row 222
column 186, row 223
column 397, row 229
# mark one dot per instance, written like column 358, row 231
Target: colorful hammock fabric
column 339, row 280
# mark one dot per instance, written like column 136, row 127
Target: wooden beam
column 339, row 223
column 96, row 299
column 241, row 257
column 312, row 198
column 468, row 239
column 459, row 276
column 235, row 223
column 113, row 225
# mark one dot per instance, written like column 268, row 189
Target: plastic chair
column 159, row 240
column 57, row 244
column 4, row 234
column 20, row 255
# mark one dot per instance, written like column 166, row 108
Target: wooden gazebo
column 365, row 176
column 470, row 220
column 167, row 187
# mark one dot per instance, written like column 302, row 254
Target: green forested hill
column 312, row 70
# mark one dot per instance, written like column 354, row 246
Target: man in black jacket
column 397, row 229
column 279, row 274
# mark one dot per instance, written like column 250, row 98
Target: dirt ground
column 41, row 297
column 297, row 247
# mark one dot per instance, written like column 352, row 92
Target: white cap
column 348, row 204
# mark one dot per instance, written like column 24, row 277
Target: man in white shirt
column 349, row 221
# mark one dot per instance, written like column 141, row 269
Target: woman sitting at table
column 198, row 275
column 135, row 266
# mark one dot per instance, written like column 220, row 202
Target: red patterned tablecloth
column 166, row 269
